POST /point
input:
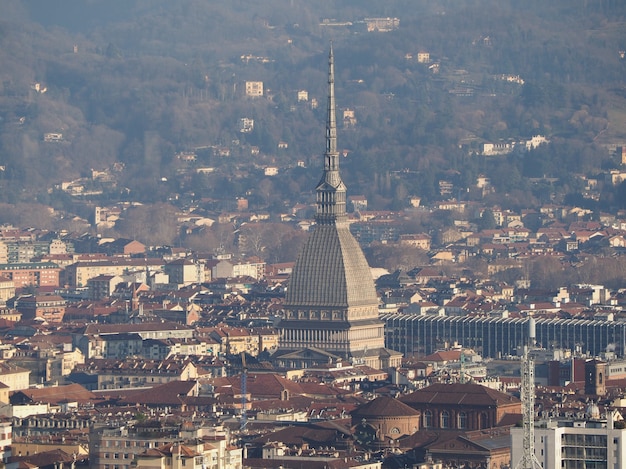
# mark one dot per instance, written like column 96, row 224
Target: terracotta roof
column 270, row 384
column 384, row 407
column 444, row 356
column 173, row 448
column 510, row 419
column 170, row 393
column 59, row 394
column 8, row 369
column 428, row 272
column 321, row 390
column 294, row 403
column 459, row 394
column 45, row 459
column 473, row 443
column 422, row 439
column 262, row 385
column 142, row 327
column 151, row 453
column 315, row 434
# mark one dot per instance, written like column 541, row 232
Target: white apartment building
column 13, row 376
column 246, row 125
column 254, row 88
column 575, row 444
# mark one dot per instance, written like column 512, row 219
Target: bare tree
column 151, row 224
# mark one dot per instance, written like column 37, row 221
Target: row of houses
column 103, row 272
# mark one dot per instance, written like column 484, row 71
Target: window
column 462, row 420
column 445, row 419
column 428, row 419
column 483, row 421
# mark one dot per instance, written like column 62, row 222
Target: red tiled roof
column 171, row 394
column 443, row 356
column 46, row 459
column 142, row 327
column 459, row 394
column 384, row 407
column 59, row 394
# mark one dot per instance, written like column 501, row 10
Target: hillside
column 130, row 84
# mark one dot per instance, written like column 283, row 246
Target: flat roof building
column 498, row 337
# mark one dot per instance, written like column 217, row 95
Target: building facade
column 461, row 406
column 184, row 272
column 7, row 290
column 254, row 88
column 13, row 376
column 51, row 308
column 161, row 446
column 571, row 444
column 38, row 274
column 387, row 419
column 103, row 286
column 497, row 337
column 79, row 273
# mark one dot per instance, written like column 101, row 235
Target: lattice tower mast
column 529, row 459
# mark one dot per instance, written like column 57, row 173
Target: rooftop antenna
column 529, row 459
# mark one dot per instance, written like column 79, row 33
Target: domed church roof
column 383, row 406
column 331, row 271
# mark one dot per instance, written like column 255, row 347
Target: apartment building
column 576, row 443
column 162, row 445
column 39, row 274
column 79, row 273
column 254, row 88
column 51, row 308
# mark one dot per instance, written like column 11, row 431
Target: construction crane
column 529, row 459
column 244, row 399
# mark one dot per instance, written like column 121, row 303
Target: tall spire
column 331, row 120
column 331, row 191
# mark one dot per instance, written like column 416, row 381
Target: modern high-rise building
column 331, row 306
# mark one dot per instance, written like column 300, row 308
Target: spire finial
column 331, row 191
column 331, row 121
